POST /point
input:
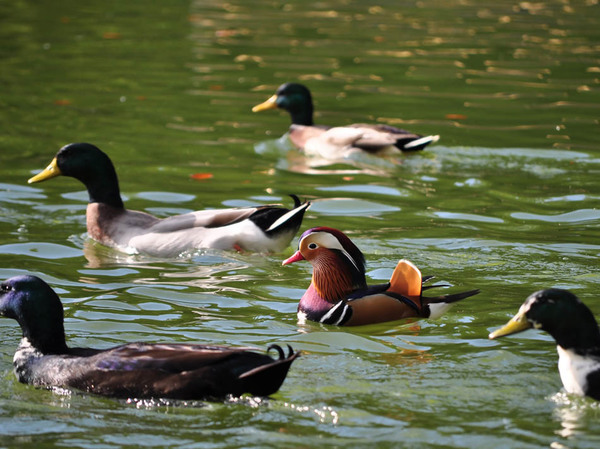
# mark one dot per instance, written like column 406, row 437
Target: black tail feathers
column 274, row 219
column 447, row 299
column 266, row 379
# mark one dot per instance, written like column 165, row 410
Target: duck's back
column 176, row 371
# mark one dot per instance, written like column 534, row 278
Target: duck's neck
column 303, row 114
column 334, row 278
column 46, row 338
column 105, row 189
column 302, row 119
column 577, row 332
column 100, row 179
column 584, row 340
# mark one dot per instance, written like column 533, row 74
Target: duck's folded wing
column 371, row 138
column 163, row 357
column 376, row 305
column 183, row 372
column 379, row 136
column 385, row 129
column 204, row 218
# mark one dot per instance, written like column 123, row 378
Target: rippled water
column 507, row 202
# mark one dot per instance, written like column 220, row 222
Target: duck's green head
column 91, row 166
column 294, row 98
column 558, row 312
column 37, row 309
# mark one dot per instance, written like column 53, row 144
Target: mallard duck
column 338, row 142
column 338, row 293
column 134, row 370
column 260, row 229
column 571, row 323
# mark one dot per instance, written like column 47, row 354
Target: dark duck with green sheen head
column 341, row 141
column 571, row 323
column 338, row 293
column 135, row 370
column 260, row 229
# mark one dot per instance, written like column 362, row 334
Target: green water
column 507, row 202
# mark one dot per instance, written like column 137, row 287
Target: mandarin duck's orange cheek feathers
column 338, row 265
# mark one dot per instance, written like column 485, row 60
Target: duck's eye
column 4, row 287
column 312, row 246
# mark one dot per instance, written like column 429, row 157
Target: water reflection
column 40, row 250
column 574, row 413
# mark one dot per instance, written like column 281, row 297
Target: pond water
column 506, row 201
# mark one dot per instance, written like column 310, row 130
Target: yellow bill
column 517, row 323
column 50, row 171
column 271, row 103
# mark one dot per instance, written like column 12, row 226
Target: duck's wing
column 203, row 219
column 381, row 306
column 372, row 138
column 268, row 217
column 408, row 281
column 182, row 371
column 400, row 298
column 396, row 300
column 377, row 304
column 378, row 137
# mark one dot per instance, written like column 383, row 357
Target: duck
column 262, row 229
column 573, row 326
column 132, row 370
column 338, row 293
column 342, row 141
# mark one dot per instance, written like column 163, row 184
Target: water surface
column 507, row 202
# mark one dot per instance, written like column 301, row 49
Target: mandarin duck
column 571, row 323
column 342, row 141
column 133, row 370
column 338, row 293
column 260, row 229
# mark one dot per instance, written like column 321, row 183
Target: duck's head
column 338, row 264
column 558, row 312
column 88, row 164
column 37, row 309
column 294, row 98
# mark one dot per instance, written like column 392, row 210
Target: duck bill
column 271, row 103
column 295, row 258
column 50, row 171
column 518, row 323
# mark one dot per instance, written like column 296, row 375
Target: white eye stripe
column 327, row 240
